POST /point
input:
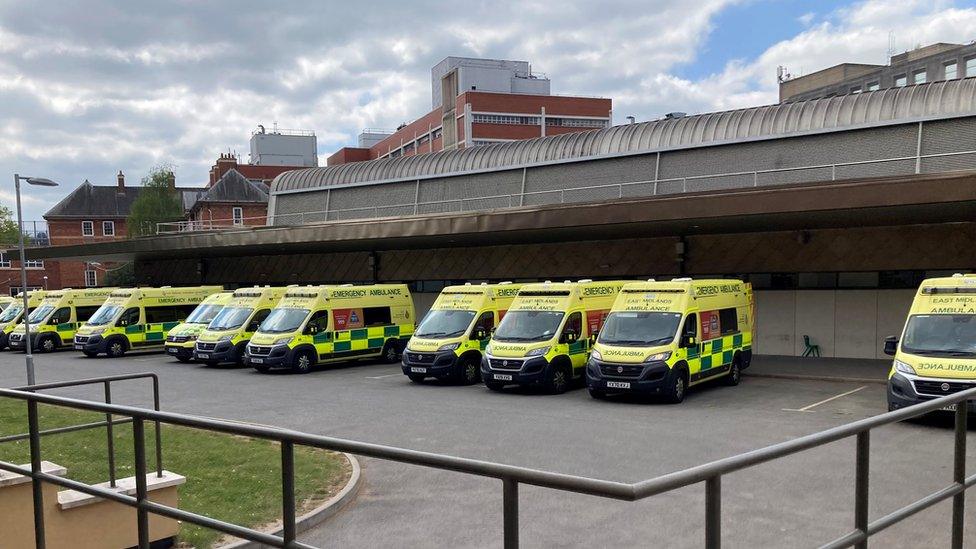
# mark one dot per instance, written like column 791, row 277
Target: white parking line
column 815, row 404
column 387, row 375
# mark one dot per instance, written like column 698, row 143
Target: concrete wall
column 844, row 323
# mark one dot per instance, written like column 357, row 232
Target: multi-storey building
column 478, row 102
column 930, row 63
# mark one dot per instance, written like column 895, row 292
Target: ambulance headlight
column 449, row 347
column 283, row 341
column 904, row 368
column 658, row 357
column 595, row 355
column 538, row 352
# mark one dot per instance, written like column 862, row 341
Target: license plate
column 257, row 361
column 204, row 356
column 618, row 385
column 950, row 408
column 418, row 370
column 503, row 377
column 79, row 347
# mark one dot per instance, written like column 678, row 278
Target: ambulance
column 936, row 354
column 323, row 324
column 57, row 317
column 663, row 337
column 181, row 339
column 545, row 337
column 138, row 318
column 13, row 314
column 449, row 341
column 227, row 335
column 5, row 301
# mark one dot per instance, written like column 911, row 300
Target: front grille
column 178, row 339
column 259, row 351
column 622, row 370
column 505, row 364
column 421, row 358
column 210, row 347
column 940, row 388
column 16, row 337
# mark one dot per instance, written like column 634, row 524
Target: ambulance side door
column 690, row 342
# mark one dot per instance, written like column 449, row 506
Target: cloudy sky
column 89, row 88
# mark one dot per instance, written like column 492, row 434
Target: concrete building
column 930, row 63
column 289, row 148
column 833, row 208
column 480, row 102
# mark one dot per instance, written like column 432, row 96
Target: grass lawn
column 230, row 478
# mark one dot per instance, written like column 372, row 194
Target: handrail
column 511, row 476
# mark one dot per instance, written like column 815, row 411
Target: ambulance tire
column 303, row 362
column 735, row 372
column 391, row 352
column 238, row 359
column 468, row 371
column 116, row 347
column 47, row 344
column 557, row 378
column 677, row 386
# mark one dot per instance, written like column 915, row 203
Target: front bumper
column 220, row 351
column 438, row 364
column 89, row 344
column 649, row 378
column 905, row 390
column 179, row 351
column 270, row 357
column 514, row 371
column 16, row 341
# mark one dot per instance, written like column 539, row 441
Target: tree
column 9, row 235
column 123, row 276
column 158, row 202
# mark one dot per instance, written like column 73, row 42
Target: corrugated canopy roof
column 950, row 98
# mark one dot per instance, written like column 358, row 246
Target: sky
column 91, row 88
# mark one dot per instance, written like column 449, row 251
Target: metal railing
column 510, row 476
column 172, row 227
column 36, row 233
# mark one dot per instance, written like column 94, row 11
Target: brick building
column 232, row 200
column 479, row 102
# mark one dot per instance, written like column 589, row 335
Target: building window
column 91, row 278
column 505, row 119
column 873, row 86
column 951, row 70
column 436, row 134
column 423, row 139
column 408, row 147
column 970, row 67
column 87, row 228
column 576, row 122
column 4, row 261
column 901, row 80
column 238, row 214
column 108, row 228
column 856, row 89
column 396, row 153
column 34, row 264
column 918, row 77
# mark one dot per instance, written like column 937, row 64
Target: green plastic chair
column 811, row 350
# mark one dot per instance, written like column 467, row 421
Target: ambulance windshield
column 940, row 335
column 11, row 312
column 637, row 329
column 282, row 321
column 528, row 326
column 445, row 323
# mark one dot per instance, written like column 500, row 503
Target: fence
column 510, row 476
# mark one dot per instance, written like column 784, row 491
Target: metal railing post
column 510, row 515
column 833, row 172
column 37, row 488
column 713, row 512
column 959, row 476
column 862, row 481
column 288, row 493
column 159, row 431
column 142, row 493
column 111, row 436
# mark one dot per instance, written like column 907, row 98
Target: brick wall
column 69, row 231
column 254, row 214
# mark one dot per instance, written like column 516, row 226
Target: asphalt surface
column 801, row 501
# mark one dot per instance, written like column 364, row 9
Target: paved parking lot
column 801, row 501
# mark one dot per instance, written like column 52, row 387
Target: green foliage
column 123, row 277
column 158, row 202
column 8, row 227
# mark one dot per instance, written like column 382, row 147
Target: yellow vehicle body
column 58, row 316
column 227, row 335
column 449, row 342
column 138, row 319
column 936, row 353
column 323, row 324
column 14, row 314
column 664, row 336
column 5, row 301
column 545, row 337
column 183, row 337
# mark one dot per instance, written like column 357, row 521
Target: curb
column 819, row 378
column 318, row 515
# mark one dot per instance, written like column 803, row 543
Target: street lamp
column 40, row 182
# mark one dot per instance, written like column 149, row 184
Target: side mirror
column 312, row 329
column 479, row 334
column 570, row 336
column 688, row 341
column 891, row 345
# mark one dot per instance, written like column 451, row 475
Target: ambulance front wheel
column 557, row 378
column 468, row 370
column 303, row 362
column 675, row 388
column 47, row 344
column 116, row 347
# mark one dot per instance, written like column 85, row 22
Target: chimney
column 121, row 180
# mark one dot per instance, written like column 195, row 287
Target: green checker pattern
column 715, row 353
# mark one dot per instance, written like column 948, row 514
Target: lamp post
column 41, row 182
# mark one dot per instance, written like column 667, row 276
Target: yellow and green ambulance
column 181, row 339
column 323, row 324
column 664, row 336
column 227, row 335
column 14, row 314
column 449, row 341
column 5, row 301
column 138, row 318
column 57, row 317
column 544, row 339
column 936, row 354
